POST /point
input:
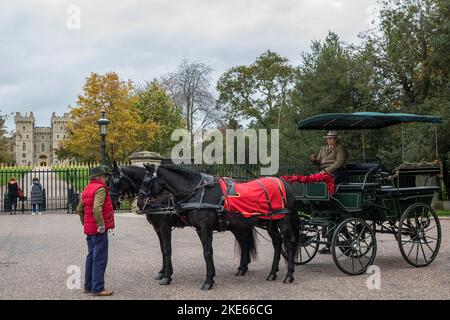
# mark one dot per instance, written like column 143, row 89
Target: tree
column 156, row 107
column 127, row 132
column 5, row 155
column 411, row 45
column 259, row 92
column 190, row 88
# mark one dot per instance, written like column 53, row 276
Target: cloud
column 44, row 64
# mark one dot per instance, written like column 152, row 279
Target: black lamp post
column 103, row 126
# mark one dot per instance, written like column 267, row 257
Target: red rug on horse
column 264, row 197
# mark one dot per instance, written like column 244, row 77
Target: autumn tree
column 127, row 132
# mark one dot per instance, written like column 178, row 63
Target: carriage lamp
column 103, row 127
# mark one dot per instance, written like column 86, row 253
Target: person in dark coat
column 13, row 194
column 37, row 196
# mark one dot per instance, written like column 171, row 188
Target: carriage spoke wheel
column 353, row 246
column 419, row 235
column 309, row 236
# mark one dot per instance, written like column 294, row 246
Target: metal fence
column 62, row 186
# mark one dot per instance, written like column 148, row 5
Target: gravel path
column 35, row 252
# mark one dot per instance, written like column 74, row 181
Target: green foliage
column 5, row 156
column 156, row 107
column 259, row 92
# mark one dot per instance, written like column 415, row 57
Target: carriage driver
column 332, row 159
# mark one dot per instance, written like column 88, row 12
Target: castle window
column 24, row 147
column 43, row 147
column 24, row 128
column 27, row 136
column 57, row 136
column 24, row 155
column 35, row 148
column 61, row 128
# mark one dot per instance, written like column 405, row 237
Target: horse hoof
column 288, row 279
column 159, row 276
column 271, row 277
column 240, row 273
column 165, row 281
column 207, row 285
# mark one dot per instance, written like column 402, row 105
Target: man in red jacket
column 97, row 217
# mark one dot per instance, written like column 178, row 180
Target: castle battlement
column 35, row 145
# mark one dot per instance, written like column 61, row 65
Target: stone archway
column 43, row 160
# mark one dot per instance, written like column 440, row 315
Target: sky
column 49, row 47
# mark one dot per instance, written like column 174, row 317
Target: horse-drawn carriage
column 349, row 218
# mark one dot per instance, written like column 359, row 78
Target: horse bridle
column 116, row 181
column 150, row 200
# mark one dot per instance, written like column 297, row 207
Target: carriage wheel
column 359, row 228
column 308, row 242
column 419, row 235
column 353, row 246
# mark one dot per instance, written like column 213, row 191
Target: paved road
column 35, row 252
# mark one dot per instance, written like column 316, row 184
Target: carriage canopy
column 362, row 120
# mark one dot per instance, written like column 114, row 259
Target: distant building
column 31, row 145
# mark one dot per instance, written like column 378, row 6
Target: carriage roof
column 362, row 120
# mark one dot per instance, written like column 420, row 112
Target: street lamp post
column 103, row 126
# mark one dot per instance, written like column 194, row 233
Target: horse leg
column 289, row 241
column 241, row 238
column 206, row 236
column 276, row 241
column 160, row 274
column 166, row 235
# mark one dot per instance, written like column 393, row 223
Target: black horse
column 200, row 196
column 125, row 182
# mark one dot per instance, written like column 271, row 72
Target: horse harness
column 187, row 203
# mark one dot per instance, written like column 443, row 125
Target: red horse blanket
column 259, row 197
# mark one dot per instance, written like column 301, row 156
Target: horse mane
column 134, row 172
column 186, row 173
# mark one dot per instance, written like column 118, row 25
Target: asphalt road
column 36, row 252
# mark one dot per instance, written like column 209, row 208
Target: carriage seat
column 350, row 186
column 358, row 169
column 388, row 190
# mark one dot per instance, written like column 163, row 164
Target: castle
column 31, row 145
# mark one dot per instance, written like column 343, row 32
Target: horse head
column 122, row 184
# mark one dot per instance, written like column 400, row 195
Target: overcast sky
column 45, row 58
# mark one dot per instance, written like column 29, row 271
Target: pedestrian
column 37, row 196
column 13, row 194
column 97, row 216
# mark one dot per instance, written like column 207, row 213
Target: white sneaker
column 33, row 213
column 39, row 212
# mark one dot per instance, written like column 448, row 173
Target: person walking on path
column 37, row 196
column 13, row 194
column 97, row 216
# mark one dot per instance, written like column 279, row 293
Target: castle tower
column 42, row 152
column 59, row 133
column 24, row 137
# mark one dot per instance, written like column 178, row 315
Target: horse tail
column 253, row 244
column 250, row 240
column 296, row 225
